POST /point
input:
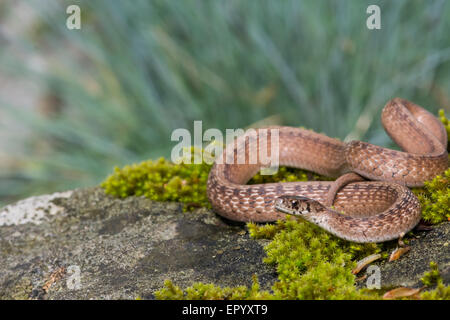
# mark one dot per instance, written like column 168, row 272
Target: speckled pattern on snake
column 374, row 211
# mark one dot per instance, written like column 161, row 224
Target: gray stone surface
column 426, row 246
column 125, row 249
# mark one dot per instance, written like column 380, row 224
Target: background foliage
column 137, row 70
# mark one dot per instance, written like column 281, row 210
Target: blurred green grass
column 137, row 70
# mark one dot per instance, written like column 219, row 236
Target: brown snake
column 375, row 211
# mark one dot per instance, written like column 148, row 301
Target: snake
column 369, row 202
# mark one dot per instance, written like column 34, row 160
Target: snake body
column 374, row 211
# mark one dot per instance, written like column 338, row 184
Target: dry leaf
column 397, row 253
column 361, row 264
column 364, row 277
column 401, row 293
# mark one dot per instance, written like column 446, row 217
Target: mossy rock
column 127, row 248
column 124, row 248
column 86, row 244
column 426, row 247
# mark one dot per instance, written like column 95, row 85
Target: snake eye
column 293, row 205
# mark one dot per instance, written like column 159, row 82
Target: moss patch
column 310, row 262
column 445, row 121
column 433, row 277
column 201, row 291
column 161, row 180
column 434, row 198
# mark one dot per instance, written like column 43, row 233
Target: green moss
column 434, row 198
column 433, row 277
column 161, row 180
column 285, row 174
column 310, row 262
column 445, row 121
column 266, row 231
column 201, row 291
column 440, row 293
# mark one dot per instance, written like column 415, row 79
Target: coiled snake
column 375, row 211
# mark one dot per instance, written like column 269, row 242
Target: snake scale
column 374, row 211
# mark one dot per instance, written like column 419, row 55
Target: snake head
column 297, row 205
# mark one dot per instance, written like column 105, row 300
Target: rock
column 121, row 249
column 84, row 244
column 426, row 246
column 32, row 210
